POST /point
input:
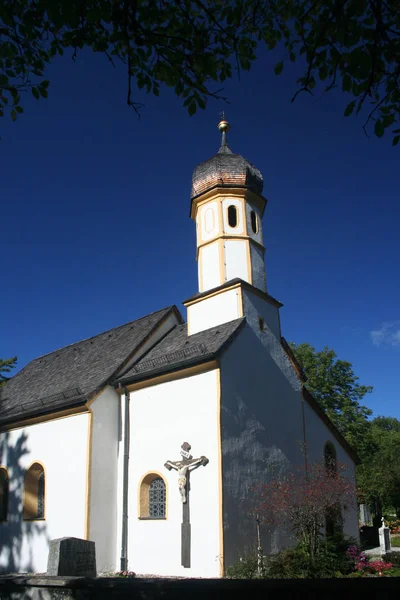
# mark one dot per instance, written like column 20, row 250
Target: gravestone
column 384, row 539
column 365, row 515
column 72, row 556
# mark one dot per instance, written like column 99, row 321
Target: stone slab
column 72, row 556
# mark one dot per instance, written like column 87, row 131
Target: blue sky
column 95, row 227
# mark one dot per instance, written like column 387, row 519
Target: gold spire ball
column 224, row 126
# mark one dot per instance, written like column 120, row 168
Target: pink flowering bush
column 356, row 557
column 363, row 565
column 378, row 566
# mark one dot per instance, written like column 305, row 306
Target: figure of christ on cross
column 184, row 467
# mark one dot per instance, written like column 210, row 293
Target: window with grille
column 153, row 497
column 40, row 502
column 34, row 493
column 157, row 498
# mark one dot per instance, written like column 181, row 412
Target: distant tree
column 5, row 367
column 301, row 502
column 378, row 476
column 195, row 45
column 335, row 386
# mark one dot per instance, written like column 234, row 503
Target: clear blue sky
column 95, row 227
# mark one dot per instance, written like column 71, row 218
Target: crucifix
column 184, row 467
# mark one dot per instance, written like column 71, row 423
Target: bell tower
column 227, row 207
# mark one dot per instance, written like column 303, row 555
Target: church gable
column 68, row 377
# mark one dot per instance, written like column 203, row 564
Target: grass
column 395, row 542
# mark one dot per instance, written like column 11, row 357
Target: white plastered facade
column 163, row 416
column 60, row 446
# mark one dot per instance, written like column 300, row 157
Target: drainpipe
column 125, row 477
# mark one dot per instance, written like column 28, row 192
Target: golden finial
column 223, row 125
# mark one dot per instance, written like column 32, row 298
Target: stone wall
column 102, row 588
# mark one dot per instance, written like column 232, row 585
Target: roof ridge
column 166, row 309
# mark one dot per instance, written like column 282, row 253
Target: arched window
column 4, row 489
column 254, row 223
column 34, row 492
column 330, row 458
column 153, row 497
column 232, row 216
column 333, row 517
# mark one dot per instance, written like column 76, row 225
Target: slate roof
column 70, row 375
column 226, row 169
column 177, row 350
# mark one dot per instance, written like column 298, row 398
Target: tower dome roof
column 225, row 169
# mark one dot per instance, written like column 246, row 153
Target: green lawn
column 395, row 542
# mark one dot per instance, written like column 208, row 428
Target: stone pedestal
column 72, row 556
column 384, row 539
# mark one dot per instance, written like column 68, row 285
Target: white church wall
column 104, row 478
column 162, row 418
column 218, row 309
column 236, row 260
column 209, row 267
column 60, row 446
column 258, row 267
column 261, row 435
column 255, row 307
column 208, row 221
column 318, row 434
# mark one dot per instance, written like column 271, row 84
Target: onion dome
column 225, row 169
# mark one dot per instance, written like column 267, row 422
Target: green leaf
column 379, row 129
column 192, row 108
column 278, row 68
column 396, row 140
column 13, row 115
column 349, row 109
column 35, row 93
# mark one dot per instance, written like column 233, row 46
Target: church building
column 148, row 438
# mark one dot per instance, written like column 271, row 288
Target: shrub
column 393, row 558
column 245, row 568
column 394, row 525
column 330, row 561
column 357, row 558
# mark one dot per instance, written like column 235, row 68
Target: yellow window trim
column 143, row 496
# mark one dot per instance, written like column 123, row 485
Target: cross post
column 184, row 467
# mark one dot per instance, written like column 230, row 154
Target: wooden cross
column 184, row 466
